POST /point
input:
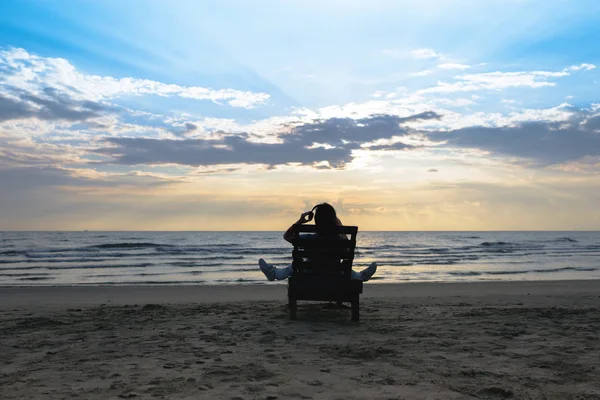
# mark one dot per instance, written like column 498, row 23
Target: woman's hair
column 325, row 219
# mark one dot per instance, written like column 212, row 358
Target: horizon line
column 369, row 230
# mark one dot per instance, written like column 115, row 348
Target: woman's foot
column 267, row 269
column 368, row 272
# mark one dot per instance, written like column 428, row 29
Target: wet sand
column 538, row 340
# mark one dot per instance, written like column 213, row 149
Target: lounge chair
column 322, row 269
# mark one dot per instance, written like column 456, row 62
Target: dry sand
column 538, row 340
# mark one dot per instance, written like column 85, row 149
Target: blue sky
column 186, row 98
column 313, row 53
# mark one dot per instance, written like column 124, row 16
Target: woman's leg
column 355, row 276
column 365, row 274
column 272, row 272
column 283, row 273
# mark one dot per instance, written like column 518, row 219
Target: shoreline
column 95, row 295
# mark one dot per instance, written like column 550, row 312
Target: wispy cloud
column 584, row 66
column 427, row 54
column 425, row 72
column 418, row 54
column 500, row 80
column 26, row 71
column 454, row 66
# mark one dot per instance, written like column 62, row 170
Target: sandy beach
column 521, row 340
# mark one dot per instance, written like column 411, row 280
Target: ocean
column 179, row 258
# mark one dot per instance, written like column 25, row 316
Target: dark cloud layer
column 196, row 152
column 336, row 131
column 344, row 134
column 52, row 106
column 542, row 142
column 20, row 178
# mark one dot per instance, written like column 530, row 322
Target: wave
column 69, row 267
column 193, row 264
column 519, row 272
column 12, row 253
column 25, row 274
column 219, row 258
column 124, row 275
column 566, row 239
column 37, row 278
column 389, row 247
column 196, row 272
column 495, row 244
column 223, row 245
column 65, row 259
column 125, row 283
column 183, row 264
column 466, row 273
column 128, row 246
column 268, row 250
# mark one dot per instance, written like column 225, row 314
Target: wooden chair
column 322, row 269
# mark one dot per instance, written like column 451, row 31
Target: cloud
column 426, row 54
column 422, row 73
column 495, row 81
column 184, row 129
column 585, row 165
column 30, row 72
column 502, row 80
column 419, row 54
column 21, row 178
column 51, row 105
column 541, row 142
column 586, row 67
column 533, row 137
column 331, row 141
column 454, row 66
column 14, row 109
column 229, row 150
column 338, row 131
column 592, row 124
column 29, row 178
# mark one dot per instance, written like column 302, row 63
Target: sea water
column 138, row 258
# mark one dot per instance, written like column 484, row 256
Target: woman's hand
column 305, row 217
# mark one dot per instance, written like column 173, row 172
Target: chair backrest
column 331, row 255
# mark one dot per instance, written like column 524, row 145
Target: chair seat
column 308, row 284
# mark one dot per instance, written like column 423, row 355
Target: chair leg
column 355, row 307
column 293, row 305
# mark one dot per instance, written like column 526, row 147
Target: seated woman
column 325, row 219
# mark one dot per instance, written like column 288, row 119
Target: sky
column 239, row 115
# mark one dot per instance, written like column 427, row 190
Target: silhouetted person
column 326, row 221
